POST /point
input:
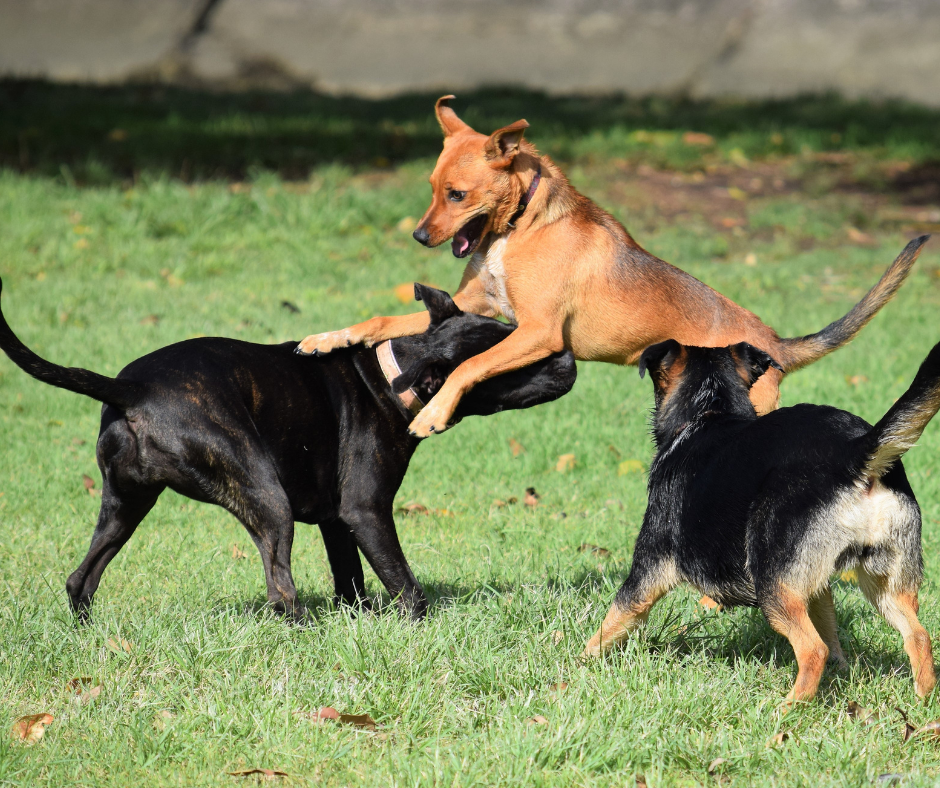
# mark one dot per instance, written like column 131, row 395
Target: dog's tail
column 797, row 352
column 122, row 394
column 903, row 424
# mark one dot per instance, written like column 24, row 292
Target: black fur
column 274, row 437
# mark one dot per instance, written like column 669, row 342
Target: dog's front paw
column 431, row 420
column 321, row 344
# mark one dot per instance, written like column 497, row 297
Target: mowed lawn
column 107, row 253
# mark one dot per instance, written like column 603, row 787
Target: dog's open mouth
column 467, row 238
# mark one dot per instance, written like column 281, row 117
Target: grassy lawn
column 132, row 219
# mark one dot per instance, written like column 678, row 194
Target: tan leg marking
column 900, row 610
column 617, row 626
column 822, row 613
column 789, row 615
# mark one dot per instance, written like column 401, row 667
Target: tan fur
column 568, row 274
column 790, row 617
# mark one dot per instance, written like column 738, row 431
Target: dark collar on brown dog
column 524, row 202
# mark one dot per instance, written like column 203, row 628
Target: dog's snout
column 422, row 236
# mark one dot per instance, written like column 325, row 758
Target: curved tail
column 122, row 394
column 904, row 423
column 797, row 352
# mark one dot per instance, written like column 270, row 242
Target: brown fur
column 570, row 276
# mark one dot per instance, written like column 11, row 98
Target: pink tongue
column 459, row 245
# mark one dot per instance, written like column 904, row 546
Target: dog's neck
column 696, row 404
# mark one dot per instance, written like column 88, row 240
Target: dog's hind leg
column 646, row 584
column 822, row 613
column 788, row 613
column 900, row 610
column 343, row 553
column 118, row 518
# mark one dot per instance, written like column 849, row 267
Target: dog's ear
column 503, row 145
column 657, row 356
column 426, row 375
column 751, row 362
column 440, row 305
column 450, row 123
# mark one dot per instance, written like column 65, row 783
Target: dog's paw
column 321, row 344
column 430, row 421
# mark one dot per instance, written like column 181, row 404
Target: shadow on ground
column 94, row 135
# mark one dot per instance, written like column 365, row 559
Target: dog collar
column 524, row 202
column 391, row 370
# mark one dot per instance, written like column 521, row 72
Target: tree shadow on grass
column 97, row 135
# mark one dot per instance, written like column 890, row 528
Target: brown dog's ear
column 751, row 362
column 503, row 145
column 440, row 305
column 450, row 123
column 657, row 356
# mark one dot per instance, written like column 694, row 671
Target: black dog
column 274, row 437
column 761, row 512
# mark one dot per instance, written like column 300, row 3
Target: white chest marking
column 492, row 274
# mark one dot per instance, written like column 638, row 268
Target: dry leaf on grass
column 778, row 739
column 515, row 447
column 162, row 718
column 265, row 774
column 861, row 714
column 238, row 553
column 750, row 259
column 698, row 138
column 716, row 764
column 329, row 714
column 557, row 637
column 512, row 500
column 538, row 719
column 557, row 689
column 600, row 552
column 413, row 507
column 531, row 497
column 30, row 729
column 640, row 781
column 150, row 320
column 630, row 466
column 90, row 484
column 856, row 236
column 84, row 692
column 120, row 645
column 565, row 463
column 931, row 729
column 855, row 380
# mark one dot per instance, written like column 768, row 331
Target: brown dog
column 570, row 276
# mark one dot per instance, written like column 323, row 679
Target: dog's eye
column 456, row 196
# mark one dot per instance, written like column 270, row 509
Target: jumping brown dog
column 570, row 276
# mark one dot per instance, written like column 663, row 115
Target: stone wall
column 700, row 48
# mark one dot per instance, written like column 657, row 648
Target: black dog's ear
column 655, row 356
column 425, row 374
column 439, row 304
column 751, row 362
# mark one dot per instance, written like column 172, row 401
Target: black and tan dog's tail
column 122, row 394
column 904, row 423
column 797, row 352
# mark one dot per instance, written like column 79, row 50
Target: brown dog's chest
column 488, row 266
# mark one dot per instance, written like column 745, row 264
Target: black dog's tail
column 122, row 394
column 903, row 424
column 797, row 352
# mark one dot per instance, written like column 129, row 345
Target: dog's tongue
column 460, row 244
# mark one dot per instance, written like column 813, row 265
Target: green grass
column 86, row 266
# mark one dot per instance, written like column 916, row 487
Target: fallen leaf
column 856, row 236
column 407, row 224
column 640, row 781
column 778, row 739
column 515, row 447
column 121, row 645
column 861, row 714
column 565, row 463
column 405, row 292
column 358, row 720
column 615, row 451
column 88, row 696
column 538, row 719
column 558, row 688
column 30, row 729
column 413, row 507
column 601, row 552
column 90, row 484
column 78, row 442
column 630, row 466
column 326, row 713
column 291, row 307
column 698, row 138
column 150, row 320
column 161, row 718
column 238, row 553
column 511, row 500
column 557, row 637
column 855, row 380
column 716, row 764
column 736, row 194
column 498, row 503
column 750, row 259
column 931, row 729
column 329, row 714
column 76, row 684
column 267, row 774
column 731, row 221
column 531, row 497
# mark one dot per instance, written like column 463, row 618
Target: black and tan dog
column 274, row 437
column 761, row 512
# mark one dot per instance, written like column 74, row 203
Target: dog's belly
column 491, row 272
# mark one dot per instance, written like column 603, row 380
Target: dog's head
column 475, row 191
column 689, row 382
column 426, row 361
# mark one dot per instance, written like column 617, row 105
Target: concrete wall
column 750, row 48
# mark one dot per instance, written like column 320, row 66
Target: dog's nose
column 422, row 236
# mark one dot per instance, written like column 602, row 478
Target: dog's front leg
column 524, row 346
